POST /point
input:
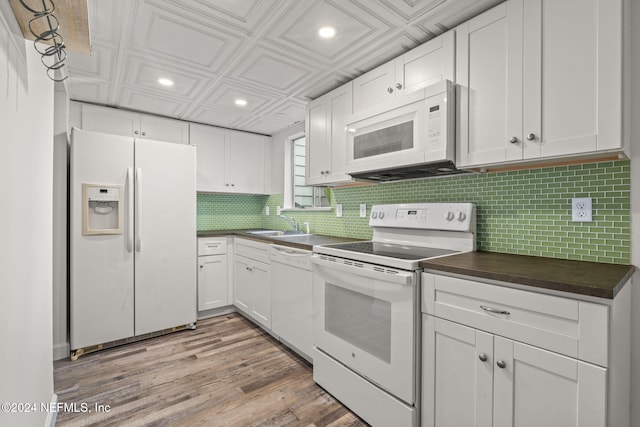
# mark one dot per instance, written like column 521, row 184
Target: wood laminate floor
column 227, row 372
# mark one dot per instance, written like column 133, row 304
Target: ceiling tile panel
column 144, row 73
column 225, row 94
column 98, row 65
column 220, row 116
column 144, row 101
column 272, row 70
column 178, row 37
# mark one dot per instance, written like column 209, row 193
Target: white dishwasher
column 291, row 294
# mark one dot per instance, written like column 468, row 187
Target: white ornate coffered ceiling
column 264, row 51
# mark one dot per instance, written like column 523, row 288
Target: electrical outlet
column 581, row 209
column 278, row 209
column 339, row 210
column 363, row 210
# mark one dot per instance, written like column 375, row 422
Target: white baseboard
column 61, row 351
column 52, row 415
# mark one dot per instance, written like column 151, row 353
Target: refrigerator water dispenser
column 102, row 209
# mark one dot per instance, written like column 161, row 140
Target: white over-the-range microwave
column 409, row 141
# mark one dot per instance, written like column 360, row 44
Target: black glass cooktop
column 412, row 253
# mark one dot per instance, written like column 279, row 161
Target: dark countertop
column 295, row 241
column 577, row 277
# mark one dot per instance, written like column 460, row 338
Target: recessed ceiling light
column 327, row 32
column 241, row 102
column 165, row 82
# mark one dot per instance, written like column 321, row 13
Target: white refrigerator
column 132, row 237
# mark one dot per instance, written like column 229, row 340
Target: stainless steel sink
column 277, row 233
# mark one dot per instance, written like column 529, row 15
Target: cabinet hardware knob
column 398, row 86
column 144, row 134
column 226, row 185
column 531, row 136
column 202, row 266
column 501, row 364
column 483, row 357
column 135, row 132
column 494, row 310
column 390, row 89
column 233, row 185
column 321, row 172
column 513, row 140
column 327, row 172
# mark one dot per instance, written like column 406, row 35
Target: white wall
column 26, row 168
column 635, row 211
column 60, row 293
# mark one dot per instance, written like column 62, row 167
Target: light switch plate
column 581, row 209
column 339, row 210
column 363, row 210
column 278, row 208
column 266, row 210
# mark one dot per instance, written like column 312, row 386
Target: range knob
column 449, row 216
column 462, row 216
column 374, row 214
column 381, row 214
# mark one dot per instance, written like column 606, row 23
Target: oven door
column 365, row 318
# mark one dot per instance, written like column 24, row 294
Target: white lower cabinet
column 494, row 355
column 252, row 280
column 473, row 378
column 213, row 287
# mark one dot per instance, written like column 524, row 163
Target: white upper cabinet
column 539, row 79
column 398, row 82
column 127, row 123
column 229, row 161
column 326, row 137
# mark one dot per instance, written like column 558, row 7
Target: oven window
column 386, row 140
column 359, row 319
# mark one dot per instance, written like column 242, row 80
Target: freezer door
column 101, row 266
column 165, row 239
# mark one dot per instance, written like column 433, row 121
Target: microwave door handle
column 129, row 210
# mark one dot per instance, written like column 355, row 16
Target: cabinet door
column 163, row 129
column 110, row 120
column 245, row 163
column 212, row 282
column 211, row 144
column 242, row 283
column 457, row 369
column 489, row 74
column 340, row 103
column 540, row 388
column 261, row 293
column 318, row 155
column 375, row 90
column 570, row 104
column 425, row 65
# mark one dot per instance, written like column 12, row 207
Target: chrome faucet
column 292, row 221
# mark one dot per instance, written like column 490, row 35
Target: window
column 302, row 196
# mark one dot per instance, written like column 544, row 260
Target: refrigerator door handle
column 130, row 210
column 138, row 209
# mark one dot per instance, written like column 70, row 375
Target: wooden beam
column 73, row 17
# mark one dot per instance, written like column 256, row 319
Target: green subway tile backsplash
column 228, row 211
column 522, row 212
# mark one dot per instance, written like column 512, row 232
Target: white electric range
column 367, row 305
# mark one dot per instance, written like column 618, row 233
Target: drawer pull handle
column 483, row 357
column 494, row 310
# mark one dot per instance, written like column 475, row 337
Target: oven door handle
column 390, row 275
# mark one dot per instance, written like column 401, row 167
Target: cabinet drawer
column 257, row 251
column 574, row 328
column 212, row 246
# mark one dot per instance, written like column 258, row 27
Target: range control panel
column 431, row 216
